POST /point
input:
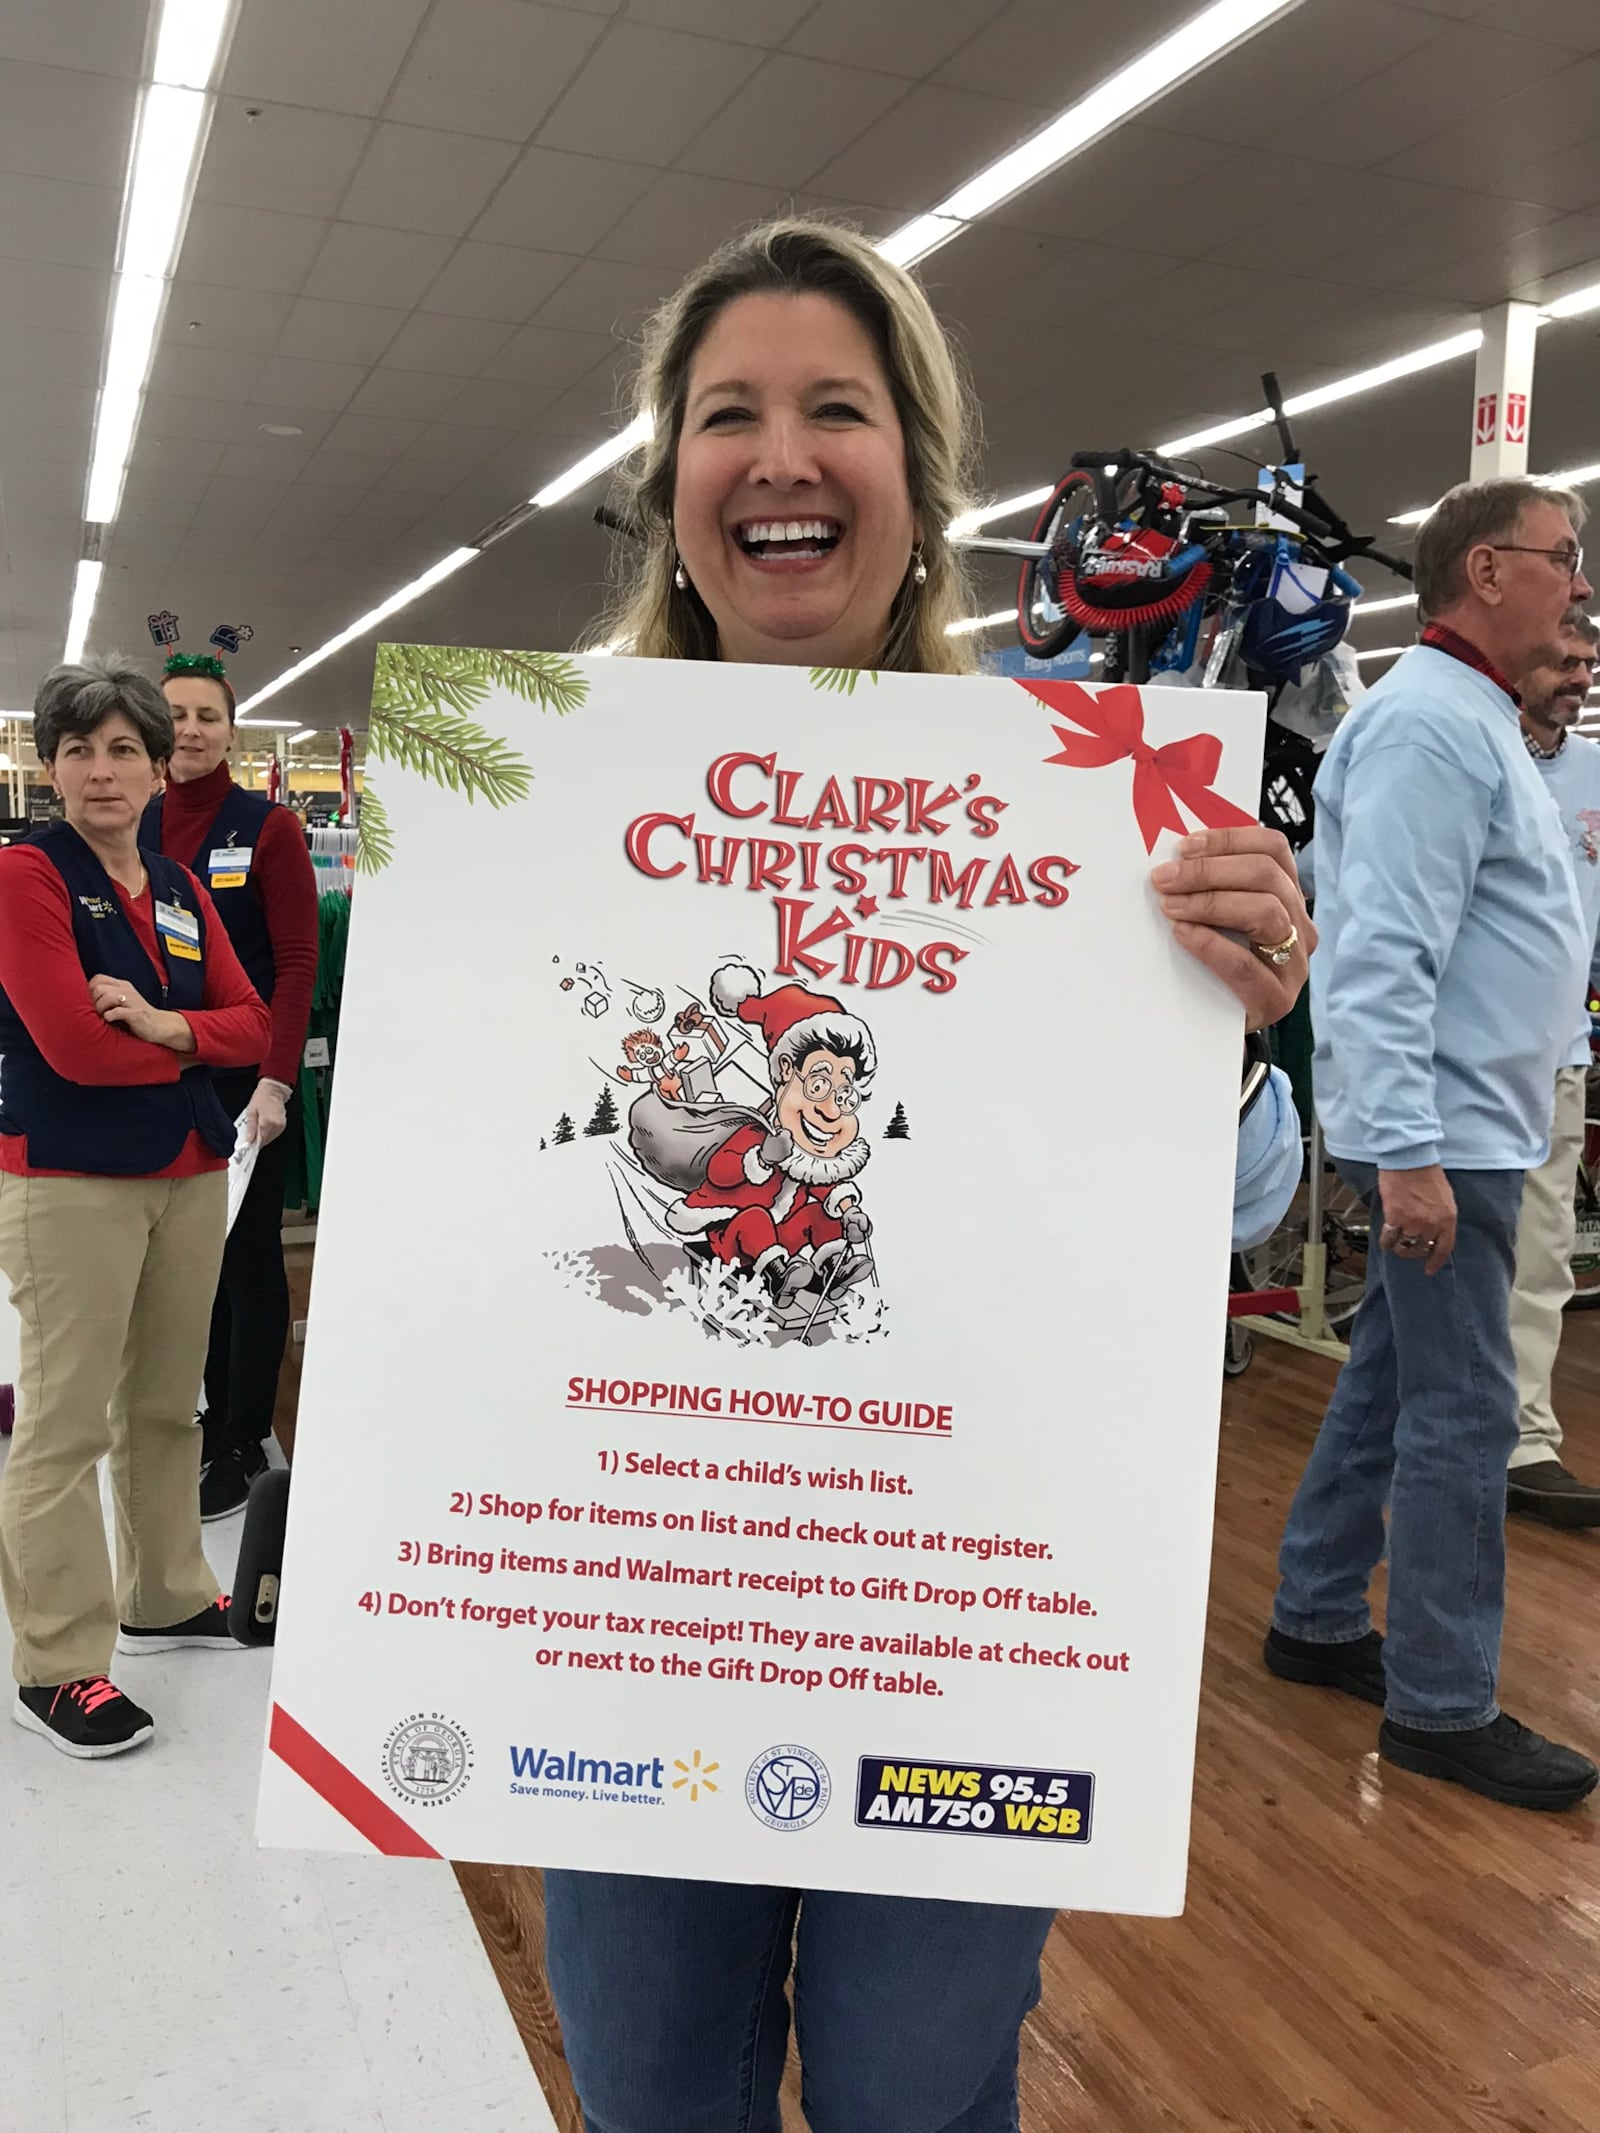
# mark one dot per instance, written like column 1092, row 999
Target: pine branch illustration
column 542, row 678
column 416, row 679
column 841, row 680
column 452, row 751
column 374, row 837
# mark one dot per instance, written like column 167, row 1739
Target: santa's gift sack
column 676, row 1141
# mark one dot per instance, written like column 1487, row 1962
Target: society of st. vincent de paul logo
column 788, row 1788
column 427, row 1759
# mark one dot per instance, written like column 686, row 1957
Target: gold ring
column 1279, row 955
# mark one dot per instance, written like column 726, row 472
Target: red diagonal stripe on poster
column 1113, row 729
column 344, row 1792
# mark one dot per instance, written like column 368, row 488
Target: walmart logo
column 695, row 1776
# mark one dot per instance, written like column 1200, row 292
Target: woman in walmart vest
column 119, row 991
column 252, row 856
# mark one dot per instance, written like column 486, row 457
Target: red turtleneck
column 287, row 885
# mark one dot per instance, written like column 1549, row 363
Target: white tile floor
column 160, row 1974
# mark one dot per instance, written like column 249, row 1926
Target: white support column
column 1502, row 396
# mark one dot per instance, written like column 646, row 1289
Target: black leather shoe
column 1546, row 1490
column 1504, row 1761
column 1355, row 1667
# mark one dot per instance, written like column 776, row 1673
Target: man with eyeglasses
column 1453, row 948
column 1540, row 1486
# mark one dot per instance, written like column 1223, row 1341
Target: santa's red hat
column 792, row 1021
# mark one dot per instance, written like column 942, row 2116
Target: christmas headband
column 196, row 663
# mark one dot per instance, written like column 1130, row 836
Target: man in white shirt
column 1539, row 1485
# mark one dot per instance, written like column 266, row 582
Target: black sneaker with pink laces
column 206, row 1631
column 88, row 1718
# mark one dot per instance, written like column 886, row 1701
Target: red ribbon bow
column 1113, row 723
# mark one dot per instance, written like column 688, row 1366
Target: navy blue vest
column 236, row 827
column 117, row 1132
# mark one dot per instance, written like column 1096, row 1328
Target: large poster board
column 779, row 1191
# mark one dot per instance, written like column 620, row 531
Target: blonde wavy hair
column 797, row 256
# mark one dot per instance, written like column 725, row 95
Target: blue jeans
column 1423, row 1418
column 672, row 2005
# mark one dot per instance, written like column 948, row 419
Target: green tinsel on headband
column 196, row 663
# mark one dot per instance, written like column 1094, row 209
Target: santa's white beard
column 827, row 1169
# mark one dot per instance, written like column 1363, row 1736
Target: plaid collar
column 1543, row 755
column 1452, row 643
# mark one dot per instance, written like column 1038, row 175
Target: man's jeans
column 1423, row 1418
column 673, row 2011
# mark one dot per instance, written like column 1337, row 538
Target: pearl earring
column 680, row 579
column 919, row 569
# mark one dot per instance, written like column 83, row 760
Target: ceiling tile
column 451, row 79
column 39, row 292
column 414, row 393
column 495, row 403
column 340, row 58
column 459, row 347
column 454, row 444
column 295, row 382
column 653, row 89
column 350, row 469
column 386, row 434
column 249, row 247
column 1059, row 52
column 1458, row 229
column 497, row 281
column 540, row 356
column 333, row 499
column 790, row 120
column 209, row 373
column 413, row 178
column 1319, row 225
column 278, row 460
column 170, row 414
column 31, row 354
column 313, row 423
column 1458, row 77
column 301, row 160
column 907, row 37
column 1536, row 121
column 561, row 203
column 106, row 36
column 247, row 320
column 682, row 218
column 1574, row 23
column 417, row 475
column 154, row 489
column 1140, row 169
column 1519, row 268
column 360, row 265
column 763, row 22
column 61, row 123
column 926, row 146
column 1570, row 179
column 49, row 219
column 606, row 296
column 54, row 402
column 339, row 333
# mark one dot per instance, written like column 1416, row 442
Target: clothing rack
column 333, row 855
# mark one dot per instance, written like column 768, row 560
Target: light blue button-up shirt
column 1572, row 780
column 1453, row 945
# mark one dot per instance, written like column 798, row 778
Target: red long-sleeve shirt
column 44, row 979
column 287, row 884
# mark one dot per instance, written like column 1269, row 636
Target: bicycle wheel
column 1045, row 629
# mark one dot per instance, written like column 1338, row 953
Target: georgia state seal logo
column 788, row 1788
column 427, row 1759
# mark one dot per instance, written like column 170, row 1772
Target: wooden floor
column 1363, row 1951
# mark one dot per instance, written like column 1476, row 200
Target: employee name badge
column 179, row 931
column 229, row 865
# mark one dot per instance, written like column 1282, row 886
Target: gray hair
column 78, row 699
column 1464, row 518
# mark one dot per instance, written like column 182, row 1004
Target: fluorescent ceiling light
column 1565, row 478
column 1573, row 305
column 446, row 567
column 972, row 623
column 596, row 462
column 1194, row 45
column 306, row 733
column 971, row 521
column 1382, row 607
column 188, row 42
column 84, row 587
column 1385, row 651
column 1360, row 381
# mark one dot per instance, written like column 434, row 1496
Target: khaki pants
column 1545, row 1233
column 113, row 1279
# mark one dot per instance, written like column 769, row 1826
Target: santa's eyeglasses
column 819, row 1086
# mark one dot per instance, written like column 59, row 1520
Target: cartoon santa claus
column 783, row 1198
